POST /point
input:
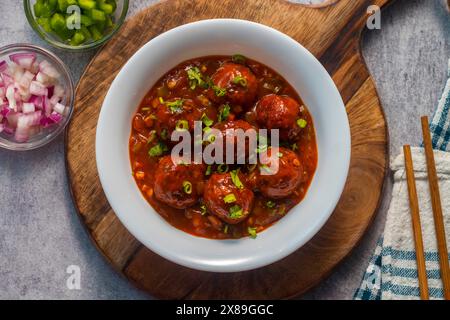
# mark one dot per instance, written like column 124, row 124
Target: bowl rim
column 25, row 146
column 258, row 261
column 61, row 45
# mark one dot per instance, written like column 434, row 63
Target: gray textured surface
column 40, row 234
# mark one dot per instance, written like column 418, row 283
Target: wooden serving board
column 332, row 33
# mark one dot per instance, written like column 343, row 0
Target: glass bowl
column 46, row 134
column 54, row 40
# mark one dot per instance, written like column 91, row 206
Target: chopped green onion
column 265, row 168
column 282, row 209
column 224, row 112
column 294, row 147
column 239, row 58
column 157, row 150
column 302, row 123
column 151, row 136
column 236, row 212
column 235, row 178
column 229, row 198
column 208, row 170
column 187, row 187
column 220, row 92
column 211, row 137
column 279, row 154
column 196, row 78
column 175, row 106
column 164, row 134
column 270, row 204
column 225, row 229
column 252, row 232
column 240, row 80
column 161, row 100
column 203, row 209
column 261, row 148
column 222, row 168
column 182, row 125
column 206, row 121
column 263, row 144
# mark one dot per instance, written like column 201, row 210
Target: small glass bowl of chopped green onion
column 76, row 25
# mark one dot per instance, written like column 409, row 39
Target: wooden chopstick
column 437, row 209
column 417, row 229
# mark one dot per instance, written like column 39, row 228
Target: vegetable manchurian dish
column 221, row 201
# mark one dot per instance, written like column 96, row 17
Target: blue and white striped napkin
column 392, row 272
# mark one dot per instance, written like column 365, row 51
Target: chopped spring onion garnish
column 164, row 134
column 279, row 154
column 239, row 58
column 240, row 81
column 196, row 78
column 281, row 210
column 294, row 147
column 270, row 204
column 222, row 168
column 265, row 168
column 224, row 112
column 203, row 209
column 302, row 123
column 182, row 125
column 263, row 144
column 252, row 232
column 220, row 92
column 175, row 106
column 30, row 96
column 161, row 100
column 206, row 121
column 211, row 137
column 229, row 198
column 235, row 178
column 187, row 187
column 151, row 136
column 236, row 212
column 261, row 148
column 208, row 170
column 225, row 229
column 157, row 150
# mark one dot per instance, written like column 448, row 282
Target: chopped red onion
column 10, row 95
column 38, row 89
column 30, row 96
column 55, row 117
column 59, row 108
column 3, row 66
column 28, row 107
column 25, row 60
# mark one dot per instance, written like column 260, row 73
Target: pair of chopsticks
column 437, row 215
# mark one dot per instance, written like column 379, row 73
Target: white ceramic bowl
column 223, row 37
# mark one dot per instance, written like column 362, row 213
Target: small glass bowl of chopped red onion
column 36, row 97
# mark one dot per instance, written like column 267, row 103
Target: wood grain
column 417, row 228
column 332, row 34
column 437, row 208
